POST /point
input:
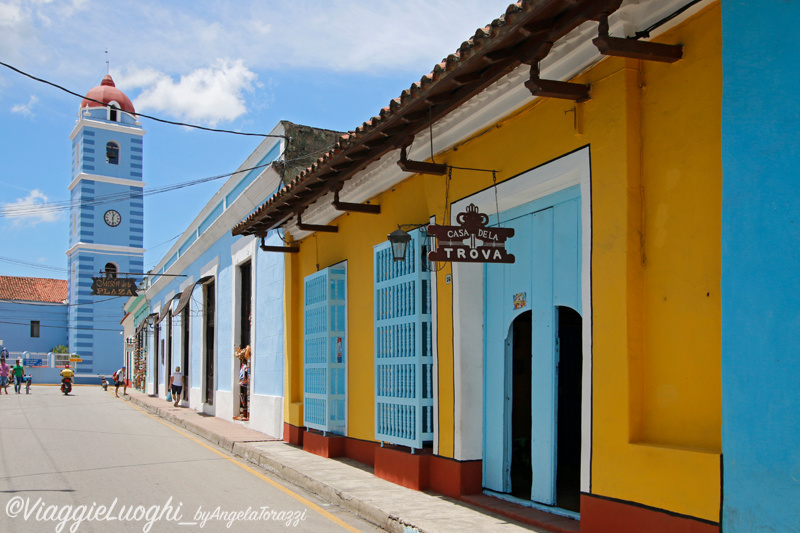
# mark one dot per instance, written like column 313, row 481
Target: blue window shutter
column 324, row 350
column 403, row 349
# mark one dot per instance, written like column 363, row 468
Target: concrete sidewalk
column 347, row 483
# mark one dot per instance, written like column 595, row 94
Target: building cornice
column 104, row 248
column 105, row 179
column 109, row 126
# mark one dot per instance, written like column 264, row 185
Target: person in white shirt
column 176, row 384
column 121, row 380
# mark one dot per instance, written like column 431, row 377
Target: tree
column 60, row 349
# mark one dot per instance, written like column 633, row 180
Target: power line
column 14, row 211
column 58, row 327
column 32, row 265
column 174, row 123
column 65, row 205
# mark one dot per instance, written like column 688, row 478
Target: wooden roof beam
column 631, row 48
column 578, row 92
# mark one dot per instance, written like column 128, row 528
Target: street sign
column 32, row 362
column 75, row 359
column 113, row 287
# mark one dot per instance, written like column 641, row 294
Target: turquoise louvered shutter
column 324, row 350
column 403, row 346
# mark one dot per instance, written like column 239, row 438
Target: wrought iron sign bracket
column 282, row 249
column 314, row 227
column 358, row 208
column 631, row 48
column 556, row 89
column 420, row 167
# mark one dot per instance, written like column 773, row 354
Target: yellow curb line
column 288, row 492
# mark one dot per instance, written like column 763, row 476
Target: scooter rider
column 67, row 374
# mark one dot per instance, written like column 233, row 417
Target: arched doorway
column 532, row 400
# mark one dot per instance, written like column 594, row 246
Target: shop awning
column 186, row 295
column 165, row 310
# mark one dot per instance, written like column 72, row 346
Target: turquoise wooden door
column 546, row 275
column 403, row 346
column 324, row 350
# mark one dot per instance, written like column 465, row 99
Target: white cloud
column 164, row 48
column 209, row 95
column 26, row 109
column 31, row 210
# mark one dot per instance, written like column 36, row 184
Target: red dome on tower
column 107, row 92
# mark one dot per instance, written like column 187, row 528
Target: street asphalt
column 349, row 484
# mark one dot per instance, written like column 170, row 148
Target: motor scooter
column 66, row 385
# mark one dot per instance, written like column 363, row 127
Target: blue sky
column 242, row 65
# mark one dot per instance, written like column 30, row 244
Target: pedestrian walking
column 176, row 384
column 4, row 368
column 17, row 371
column 121, row 379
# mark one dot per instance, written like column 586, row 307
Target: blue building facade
column 32, row 326
column 760, row 254
column 33, row 322
column 213, row 295
column 106, row 221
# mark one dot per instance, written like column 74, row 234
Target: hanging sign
column 460, row 243
column 113, row 287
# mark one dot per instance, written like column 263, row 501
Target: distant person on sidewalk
column 17, row 371
column 4, row 368
column 121, row 380
column 176, row 384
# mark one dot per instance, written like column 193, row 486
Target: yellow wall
column 653, row 131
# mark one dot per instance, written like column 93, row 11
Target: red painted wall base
column 456, row 478
column 323, row 445
column 419, row 471
column 293, row 434
column 402, row 467
column 600, row 515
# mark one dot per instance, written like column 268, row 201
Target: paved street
column 93, row 456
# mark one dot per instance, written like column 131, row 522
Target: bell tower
column 106, row 234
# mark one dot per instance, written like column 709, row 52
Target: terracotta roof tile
column 33, row 289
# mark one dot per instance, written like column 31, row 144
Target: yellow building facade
column 633, row 179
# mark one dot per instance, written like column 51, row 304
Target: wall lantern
column 399, row 240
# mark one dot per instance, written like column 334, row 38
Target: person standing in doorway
column 121, row 380
column 4, row 368
column 17, row 371
column 176, row 384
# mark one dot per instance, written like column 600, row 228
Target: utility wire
column 58, row 327
column 32, row 265
column 82, row 97
column 65, row 205
column 14, row 211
